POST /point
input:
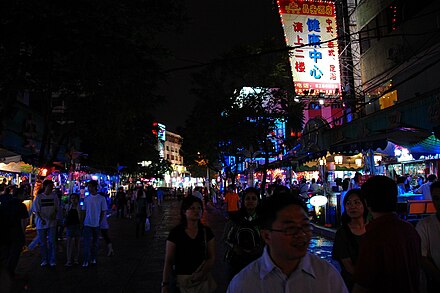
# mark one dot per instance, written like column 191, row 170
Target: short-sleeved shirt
column 313, row 274
column 232, row 201
column 425, row 189
column 94, row 204
column 429, row 231
column 190, row 253
column 47, row 206
column 346, row 245
column 389, row 256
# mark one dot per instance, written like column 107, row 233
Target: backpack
column 246, row 235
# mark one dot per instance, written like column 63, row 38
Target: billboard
column 310, row 29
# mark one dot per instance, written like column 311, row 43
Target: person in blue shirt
column 286, row 265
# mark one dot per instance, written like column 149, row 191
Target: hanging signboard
column 310, row 29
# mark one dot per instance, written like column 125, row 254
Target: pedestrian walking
column 73, row 229
column 141, row 207
column 232, row 201
column 121, row 202
column 13, row 220
column 389, row 253
column 190, row 248
column 45, row 207
column 242, row 234
column 429, row 231
column 347, row 238
column 131, row 197
column 286, row 265
column 160, row 196
column 94, row 208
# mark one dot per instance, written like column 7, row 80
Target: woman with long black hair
column 347, row 238
column 190, row 248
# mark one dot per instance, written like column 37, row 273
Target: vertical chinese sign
column 310, row 28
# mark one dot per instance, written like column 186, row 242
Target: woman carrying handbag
column 190, row 249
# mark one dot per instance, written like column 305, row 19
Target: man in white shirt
column 314, row 187
column 425, row 188
column 285, row 265
column 94, row 209
column 45, row 207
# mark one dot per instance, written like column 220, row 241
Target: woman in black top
column 190, row 246
column 346, row 244
column 73, row 230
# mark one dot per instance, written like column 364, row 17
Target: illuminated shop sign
column 310, row 28
column 402, row 154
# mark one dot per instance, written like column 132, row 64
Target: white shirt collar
column 267, row 265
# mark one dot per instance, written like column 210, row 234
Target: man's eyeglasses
column 293, row 230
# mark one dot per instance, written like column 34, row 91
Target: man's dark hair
column 434, row 185
column 251, row 190
column 272, row 205
column 46, row 183
column 93, row 183
column 380, row 192
column 432, row 178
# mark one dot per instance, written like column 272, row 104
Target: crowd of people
column 266, row 244
column 74, row 220
column 265, row 241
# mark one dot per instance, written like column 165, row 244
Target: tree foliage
column 100, row 59
column 226, row 121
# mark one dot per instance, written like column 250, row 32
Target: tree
column 100, row 59
column 225, row 120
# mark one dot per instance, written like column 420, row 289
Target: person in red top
column 389, row 254
column 232, row 201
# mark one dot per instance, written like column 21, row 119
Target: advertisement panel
column 310, row 29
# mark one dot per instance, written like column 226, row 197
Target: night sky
column 215, row 27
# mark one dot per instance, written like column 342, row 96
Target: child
column 73, row 229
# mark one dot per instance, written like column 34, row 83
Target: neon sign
column 310, row 28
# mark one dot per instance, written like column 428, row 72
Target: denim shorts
column 73, row 231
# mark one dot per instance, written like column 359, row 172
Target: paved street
column 135, row 267
column 137, row 263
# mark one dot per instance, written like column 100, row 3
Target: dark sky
column 215, row 27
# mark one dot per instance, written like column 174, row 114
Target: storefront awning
column 19, row 167
column 428, row 146
column 8, row 156
column 400, row 136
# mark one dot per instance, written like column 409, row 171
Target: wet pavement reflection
column 322, row 247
